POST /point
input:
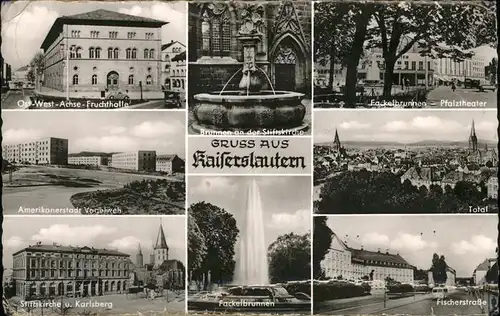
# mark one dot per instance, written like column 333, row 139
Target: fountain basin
column 237, row 111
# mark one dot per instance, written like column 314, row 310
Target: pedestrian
column 402, row 84
column 453, row 86
column 407, row 83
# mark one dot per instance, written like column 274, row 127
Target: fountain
column 251, row 263
column 250, row 108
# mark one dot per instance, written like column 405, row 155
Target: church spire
column 139, row 250
column 161, row 242
column 473, row 130
column 473, row 138
column 336, row 141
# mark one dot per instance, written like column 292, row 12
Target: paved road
column 11, row 98
column 445, row 93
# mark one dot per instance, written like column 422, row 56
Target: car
column 118, row 96
column 486, row 87
column 172, row 99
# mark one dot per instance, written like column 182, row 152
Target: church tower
column 139, row 259
column 161, row 248
column 336, row 142
column 473, row 139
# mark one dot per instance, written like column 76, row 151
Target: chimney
column 171, row 41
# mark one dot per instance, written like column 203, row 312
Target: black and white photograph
column 398, row 162
column 94, row 265
column 93, row 162
column 412, row 265
column 94, row 55
column 249, row 245
column 405, row 54
column 250, row 66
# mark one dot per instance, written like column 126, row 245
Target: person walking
column 453, row 86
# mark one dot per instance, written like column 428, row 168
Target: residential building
column 451, row 277
column 447, row 70
column 169, row 164
column 88, row 160
column 492, row 186
column 49, row 150
column 53, row 270
column 174, row 66
column 142, row 160
column 283, row 53
column 108, row 51
column 479, row 273
column 348, row 263
column 21, row 75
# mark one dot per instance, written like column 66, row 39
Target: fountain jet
column 251, row 263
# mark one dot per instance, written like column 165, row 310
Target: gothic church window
column 216, row 30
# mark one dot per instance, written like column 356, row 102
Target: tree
column 322, row 238
column 493, row 66
column 438, row 269
column 37, row 64
column 197, row 249
column 438, row 30
column 220, row 232
column 290, row 258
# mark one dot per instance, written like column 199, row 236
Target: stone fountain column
column 250, row 81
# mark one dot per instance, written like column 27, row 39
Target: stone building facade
column 51, row 270
column 215, row 53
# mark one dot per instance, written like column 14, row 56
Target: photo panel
column 411, row 265
column 405, row 162
column 93, row 163
column 417, row 55
column 94, row 265
column 250, row 68
column 249, row 244
column 94, row 55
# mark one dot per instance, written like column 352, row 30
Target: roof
column 181, row 56
column 98, row 17
column 161, row 242
column 484, row 266
column 165, row 46
column 71, row 249
column 166, row 157
column 382, row 257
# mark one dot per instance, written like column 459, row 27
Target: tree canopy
column 322, row 239
column 290, row 258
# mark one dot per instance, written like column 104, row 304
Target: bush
column 400, row 288
column 337, row 290
column 304, row 287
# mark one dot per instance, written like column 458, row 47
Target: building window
column 72, row 52
column 94, row 79
column 146, row 53
column 420, row 65
column 75, row 79
column 131, row 79
column 134, row 53
column 131, row 35
column 113, row 35
column 149, row 36
column 152, row 54
column 128, row 53
column 78, row 52
column 413, row 65
column 75, row 34
column 115, row 53
column 216, row 32
column 91, row 52
column 98, row 53
column 94, row 34
column 149, row 80
column 110, row 53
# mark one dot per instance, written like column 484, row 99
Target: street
column 446, row 93
column 11, row 98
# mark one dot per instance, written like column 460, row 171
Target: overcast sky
column 106, row 131
column 464, row 240
column 286, row 200
column 26, row 23
column 404, row 126
column 120, row 233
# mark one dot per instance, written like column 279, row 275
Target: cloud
column 375, row 239
column 426, row 124
column 72, row 235
column 354, row 125
column 410, row 243
column 115, row 129
column 23, row 35
column 213, row 185
column 127, row 243
column 14, row 136
column 478, row 244
column 157, row 129
column 13, row 242
column 300, row 220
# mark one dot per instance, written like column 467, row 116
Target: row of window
column 94, row 80
column 113, row 53
column 112, row 35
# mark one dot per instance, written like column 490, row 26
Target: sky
column 100, row 131
column 286, row 200
column 464, row 240
column 404, row 126
column 21, row 18
column 123, row 234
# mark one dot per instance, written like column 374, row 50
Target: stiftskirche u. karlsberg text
column 227, row 159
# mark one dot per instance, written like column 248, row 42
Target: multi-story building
column 173, row 66
column 51, row 270
column 21, row 75
column 348, row 263
column 447, row 70
column 451, row 276
column 103, row 51
column 49, row 150
column 283, row 53
column 6, row 71
column 142, row 160
column 88, row 160
column 169, row 164
column 479, row 274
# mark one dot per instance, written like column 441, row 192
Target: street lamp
column 67, row 50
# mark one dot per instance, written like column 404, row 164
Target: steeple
column 336, row 141
column 161, row 242
column 139, row 258
column 473, row 138
column 161, row 248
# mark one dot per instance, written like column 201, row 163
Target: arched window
column 115, row 53
column 167, row 58
column 91, row 52
column 72, row 52
column 216, row 32
column 134, row 53
column 75, row 79
column 149, row 80
column 152, row 54
column 128, row 53
column 79, row 52
column 131, row 79
column 110, row 53
column 94, row 79
column 98, row 52
column 146, row 53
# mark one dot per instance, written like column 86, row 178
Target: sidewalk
column 134, row 95
column 379, row 307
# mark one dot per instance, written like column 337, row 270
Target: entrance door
column 113, row 80
column 284, row 69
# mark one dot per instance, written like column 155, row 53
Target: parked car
column 118, row 96
column 486, row 87
column 172, row 99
